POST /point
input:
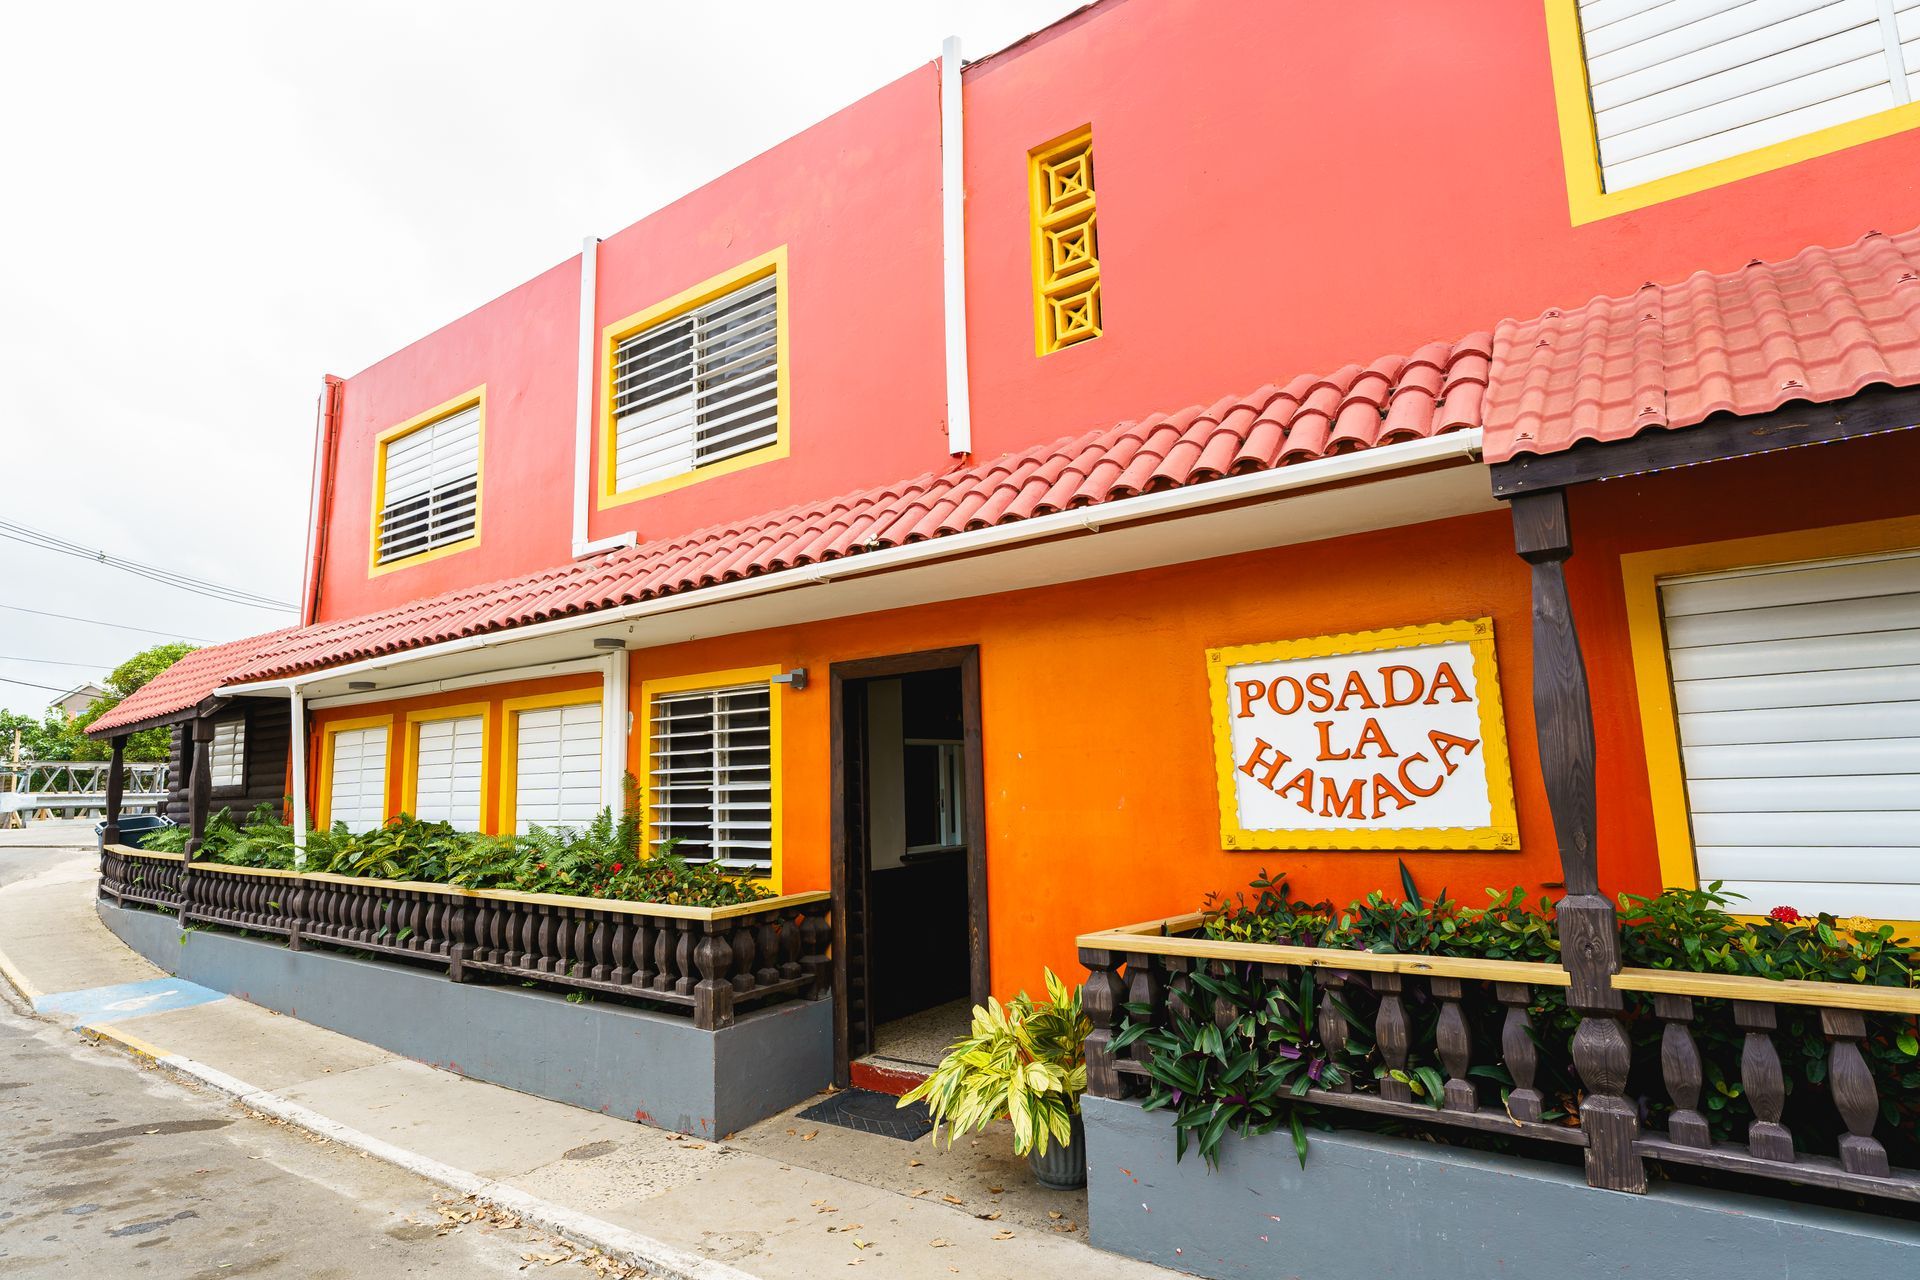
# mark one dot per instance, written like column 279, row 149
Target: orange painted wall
column 1101, row 805
column 494, row 695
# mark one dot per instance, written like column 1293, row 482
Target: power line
column 184, row 582
column 97, row 622
column 50, row 688
column 60, row 662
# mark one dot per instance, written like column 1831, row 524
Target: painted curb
column 656, row 1256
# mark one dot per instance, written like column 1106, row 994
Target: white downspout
column 953, row 245
column 583, row 410
column 615, row 719
column 297, row 743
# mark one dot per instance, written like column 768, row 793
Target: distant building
column 74, row 701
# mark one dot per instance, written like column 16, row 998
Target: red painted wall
column 1283, row 188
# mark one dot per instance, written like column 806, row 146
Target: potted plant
column 1026, row 1062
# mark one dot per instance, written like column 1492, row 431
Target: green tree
column 69, row 741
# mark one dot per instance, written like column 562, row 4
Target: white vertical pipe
column 297, row 743
column 614, row 718
column 583, row 407
column 953, row 244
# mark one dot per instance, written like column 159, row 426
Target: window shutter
column 357, row 790
column 557, row 767
column 712, row 774
column 698, row 388
column 446, row 777
column 431, row 489
column 1680, row 83
column 1797, row 692
column 229, row 754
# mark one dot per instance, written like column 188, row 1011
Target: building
column 76, row 700
column 1160, row 526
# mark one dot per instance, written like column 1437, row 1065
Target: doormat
column 870, row 1112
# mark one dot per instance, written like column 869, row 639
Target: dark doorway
column 909, row 855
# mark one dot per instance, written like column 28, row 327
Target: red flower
column 543, row 866
column 1785, row 915
column 616, row 868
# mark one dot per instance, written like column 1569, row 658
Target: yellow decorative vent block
column 1066, row 250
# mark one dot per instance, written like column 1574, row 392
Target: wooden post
column 199, row 800
column 1589, row 933
column 116, row 784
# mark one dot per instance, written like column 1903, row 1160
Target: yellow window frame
column 772, row 264
column 510, row 711
column 1066, row 252
column 382, row 442
column 489, row 755
column 1589, row 201
column 1641, row 572
column 776, row 694
column 323, row 802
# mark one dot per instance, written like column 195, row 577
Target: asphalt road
column 41, row 846
column 109, row 1168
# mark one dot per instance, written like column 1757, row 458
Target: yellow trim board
column 1502, row 831
column 323, row 780
column 459, row 404
column 773, row 263
column 409, row 784
column 1587, row 199
column 510, row 711
column 1641, row 572
column 776, row 693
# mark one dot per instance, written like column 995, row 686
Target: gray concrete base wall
column 647, row 1066
column 1369, row 1208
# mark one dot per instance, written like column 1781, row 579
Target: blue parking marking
column 95, row 1005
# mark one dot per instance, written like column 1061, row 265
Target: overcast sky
column 205, row 207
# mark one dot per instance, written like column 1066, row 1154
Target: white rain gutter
column 583, row 409
column 297, row 744
column 1366, row 464
column 953, row 247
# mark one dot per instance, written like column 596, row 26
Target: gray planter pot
column 1064, row 1167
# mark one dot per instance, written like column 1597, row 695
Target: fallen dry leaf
column 953, row 1199
column 938, row 1242
column 995, row 1190
column 1055, row 1214
column 858, row 1243
column 914, row 1164
column 1003, row 1235
column 810, row 1136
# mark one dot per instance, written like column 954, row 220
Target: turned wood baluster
column 1145, row 987
column 816, row 961
column 713, row 994
column 1680, row 1068
column 1225, row 1011
column 1763, row 1080
column 1854, row 1094
column 1101, row 1000
column 1332, row 1024
column 530, row 952
column 544, row 947
column 740, row 940
column 1518, row 1051
column 1390, row 1035
column 664, row 935
column 1180, row 987
column 1455, row 1044
column 683, row 960
column 615, row 938
column 792, row 934
column 767, row 944
column 583, row 930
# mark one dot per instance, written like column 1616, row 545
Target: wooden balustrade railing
column 705, row 961
column 1148, row 965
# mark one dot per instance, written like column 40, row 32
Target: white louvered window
column 1676, row 84
column 446, row 771
column 1797, row 689
column 557, row 767
column 712, row 774
column 430, row 495
column 698, row 388
column 229, row 754
column 357, row 783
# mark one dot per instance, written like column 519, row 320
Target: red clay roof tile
column 188, row 682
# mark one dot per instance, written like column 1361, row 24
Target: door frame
column 966, row 660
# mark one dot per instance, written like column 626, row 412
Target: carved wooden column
column 199, row 800
column 116, row 784
column 1101, row 998
column 1589, row 934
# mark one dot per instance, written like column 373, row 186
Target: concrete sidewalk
column 785, row 1199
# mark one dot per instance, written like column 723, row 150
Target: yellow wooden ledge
column 228, row 868
column 1146, row 940
column 1728, row 986
column 129, row 851
column 672, row 911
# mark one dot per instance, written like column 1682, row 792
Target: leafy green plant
column 1025, row 1061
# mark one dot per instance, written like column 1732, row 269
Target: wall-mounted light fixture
column 609, row 642
column 796, row 679
column 360, row 686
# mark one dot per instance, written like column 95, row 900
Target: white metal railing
column 69, row 786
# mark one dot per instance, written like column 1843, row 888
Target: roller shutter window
column 1676, row 84
column 712, row 774
column 430, row 495
column 1797, row 690
column 698, row 388
column 557, row 767
column 357, row 786
column 229, row 769
column 446, row 771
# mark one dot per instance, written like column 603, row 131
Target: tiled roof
column 187, row 682
column 1819, row 326
column 1437, row 389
